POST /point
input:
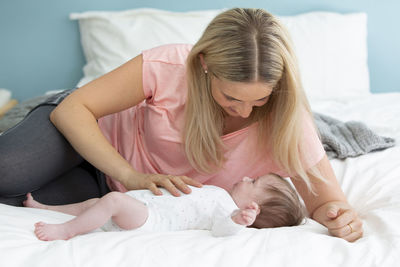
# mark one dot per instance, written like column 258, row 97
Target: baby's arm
column 230, row 224
column 246, row 216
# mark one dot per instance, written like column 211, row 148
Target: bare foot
column 31, row 203
column 49, row 232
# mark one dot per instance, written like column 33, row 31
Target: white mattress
column 371, row 183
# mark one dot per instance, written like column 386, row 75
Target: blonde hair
column 281, row 205
column 246, row 45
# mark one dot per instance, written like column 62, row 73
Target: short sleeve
column 164, row 68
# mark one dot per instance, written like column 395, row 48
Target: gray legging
column 35, row 157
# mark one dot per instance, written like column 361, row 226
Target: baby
column 268, row 201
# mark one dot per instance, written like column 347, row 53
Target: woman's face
column 238, row 98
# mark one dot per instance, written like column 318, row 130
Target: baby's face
column 248, row 190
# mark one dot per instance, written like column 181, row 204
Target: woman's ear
column 203, row 64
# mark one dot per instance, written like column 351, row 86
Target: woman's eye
column 230, row 98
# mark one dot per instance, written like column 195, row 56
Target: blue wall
column 40, row 48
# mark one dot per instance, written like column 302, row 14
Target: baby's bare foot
column 31, row 203
column 49, row 232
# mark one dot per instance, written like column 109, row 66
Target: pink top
column 148, row 135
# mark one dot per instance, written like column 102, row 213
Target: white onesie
column 206, row 208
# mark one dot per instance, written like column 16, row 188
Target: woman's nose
column 245, row 110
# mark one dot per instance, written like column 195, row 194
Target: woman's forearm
column 327, row 191
column 79, row 126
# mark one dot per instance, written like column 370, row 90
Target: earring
column 205, row 71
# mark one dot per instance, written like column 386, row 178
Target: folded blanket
column 348, row 139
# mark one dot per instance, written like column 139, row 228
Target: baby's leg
column 72, row 209
column 127, row 212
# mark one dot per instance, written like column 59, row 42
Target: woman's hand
column 340, row 219
column 174, row 184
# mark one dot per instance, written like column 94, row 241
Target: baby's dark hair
column 280, row 207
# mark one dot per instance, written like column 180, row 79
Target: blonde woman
column 230, row 106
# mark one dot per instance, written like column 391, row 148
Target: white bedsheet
column 371, row 183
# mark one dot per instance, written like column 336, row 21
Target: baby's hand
column 246, row 216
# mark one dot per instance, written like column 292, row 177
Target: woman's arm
column 326, row 192
column 329, row 206
column 76, row 116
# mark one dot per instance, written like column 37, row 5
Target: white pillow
column 111, row 38
column 331, row 48
column 332, row 53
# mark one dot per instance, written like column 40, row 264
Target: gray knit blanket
column 348, row 139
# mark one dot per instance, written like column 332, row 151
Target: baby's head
column 278, row 201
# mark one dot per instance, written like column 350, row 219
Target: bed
column 332, row 56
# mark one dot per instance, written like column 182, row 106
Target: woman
column 176, row 115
